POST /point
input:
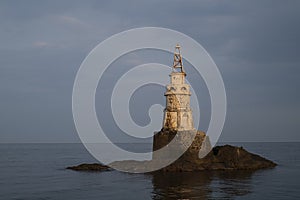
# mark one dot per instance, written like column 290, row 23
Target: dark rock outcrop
column 90, row 167
column 225, row 157
column 200, row 156
column 197, row 156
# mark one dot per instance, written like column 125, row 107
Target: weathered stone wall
column 199, row 146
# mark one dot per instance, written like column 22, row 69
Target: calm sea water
column 37, row 171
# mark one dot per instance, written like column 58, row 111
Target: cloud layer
column 255, row 44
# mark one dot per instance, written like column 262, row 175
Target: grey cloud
column 254, row 43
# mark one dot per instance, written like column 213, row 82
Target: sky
column 254, row 43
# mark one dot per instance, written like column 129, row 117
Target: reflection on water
column 201, row 185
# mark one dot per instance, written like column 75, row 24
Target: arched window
column 172, row 89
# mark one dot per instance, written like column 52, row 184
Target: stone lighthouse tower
column 178, row 123
column 178, row 113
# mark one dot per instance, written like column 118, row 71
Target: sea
column 38, row 171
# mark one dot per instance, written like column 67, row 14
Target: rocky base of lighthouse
column 200, row 156
column 225, row 157
column 197, row 142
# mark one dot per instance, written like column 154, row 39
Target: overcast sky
column 255, row 44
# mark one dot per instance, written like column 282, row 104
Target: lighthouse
column 178, row 113
column 178, row 122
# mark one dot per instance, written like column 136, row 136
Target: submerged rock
column 90, row 167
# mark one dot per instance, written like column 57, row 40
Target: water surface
column 37, row 171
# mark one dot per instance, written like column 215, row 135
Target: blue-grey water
column 37, row 171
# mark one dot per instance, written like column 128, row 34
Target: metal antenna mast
column 177, row 63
